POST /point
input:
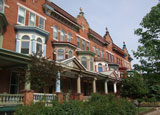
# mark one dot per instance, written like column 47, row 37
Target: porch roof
column 10, row 58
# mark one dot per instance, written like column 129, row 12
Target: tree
column 42, row 72
column 133, row 87
column 149, row 51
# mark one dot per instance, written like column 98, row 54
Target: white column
column 106, row 87
column 115, row 87
column 58, row 83
column 94, row 85
column 79, row 84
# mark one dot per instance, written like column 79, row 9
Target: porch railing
column 11, row 99
column 37, row 97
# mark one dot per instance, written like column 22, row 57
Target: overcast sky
column 121, row 17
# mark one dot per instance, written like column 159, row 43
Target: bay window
column 39, row 46
column 25, row 44
column 21, row 15
column 60, row 54
column 84, row 61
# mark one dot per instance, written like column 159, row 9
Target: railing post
column 28, row 97
column 60, row 98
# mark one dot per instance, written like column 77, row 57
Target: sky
column 121, row 17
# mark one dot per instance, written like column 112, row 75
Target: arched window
column 91, row 63
column 60, row 54
column 69, row 37
column 99, row 67
column 2, row 6
column 25, row 44
column 70, row 54
column 84, row 61
column 62, row 35
column 55, row 32
column 39, row 46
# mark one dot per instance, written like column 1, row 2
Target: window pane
column 39, row 48
column 25, row 44
column 83, row 44
column 98, row 52
column 70, row 54
column 41, row 23
column 87, row 46
column 78, row 42
column 84, row 61
column 55, row 33
column 62, row 35
column 32, row 19
column 25, row 37
column 60, row 54
column 1, row 6
column 69, row 37
column 21, row 15
column 99, row 67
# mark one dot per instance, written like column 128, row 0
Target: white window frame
column 69, row 39
column 40, row 44
column 30, row 19
column 43, row 24
column 58, row 53
column 24, row 16
column 62, row 32
column 24, row 41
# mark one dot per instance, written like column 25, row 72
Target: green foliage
column 97, row 105
column 42, row 72
column 134, row 87
column 149, row 50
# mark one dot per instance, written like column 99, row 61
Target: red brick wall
column 4, row 81
column 10, row 34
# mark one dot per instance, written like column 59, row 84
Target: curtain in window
column 62, row 35
column 55, row 32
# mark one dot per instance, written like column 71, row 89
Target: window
column 70, row 54
column 32, row 19
column 2, row 6
column 98, row 52
column 41, row 23
column 78, row 42
column 62, row 35
column 91, row 63
column 113, row 58
column 69, row 37
column 110, row 58
column 99, row 67
column 14, row 83
column 95, row 50
column 88, row 46
column 107, row 55
column 55, row 32
column 84, row 61
column 102, row 54
column 39, row 46
column 25, row 44
column 105, row 67
column 83, row 44
column 60, row 54
column 21, row 15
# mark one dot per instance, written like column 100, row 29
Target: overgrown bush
column 97, row 105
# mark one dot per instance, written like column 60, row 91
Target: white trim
column 7, row 6
column 19, row 4
column 82, row 38
column 24, row 17
column 30, row 19
column 110, row 52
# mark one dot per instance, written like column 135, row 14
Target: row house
column 34, row 26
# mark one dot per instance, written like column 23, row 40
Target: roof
column 118, row 49
column 61, row 11
column 97, row 36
